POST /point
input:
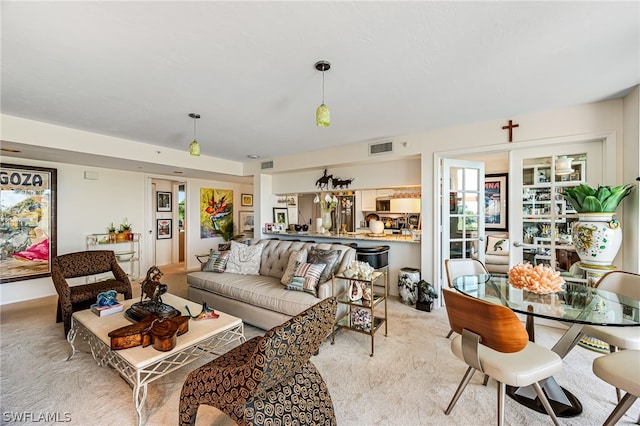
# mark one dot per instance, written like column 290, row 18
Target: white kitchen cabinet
column 368, row 200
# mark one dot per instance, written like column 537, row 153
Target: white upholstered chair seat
column 620, row 337
column 622, row 370
column 532, row 364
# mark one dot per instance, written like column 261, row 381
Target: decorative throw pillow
column 328, row 257
column 217, row 262
column 497, row 245
column 244, row 259
column 305, row 278
column 295, row 258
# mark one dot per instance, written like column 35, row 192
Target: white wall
column 83, row 207
column 631, row 170
column 92, row 205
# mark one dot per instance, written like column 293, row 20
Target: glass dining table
column 576, row 304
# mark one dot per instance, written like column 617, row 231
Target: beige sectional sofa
column 262, row 300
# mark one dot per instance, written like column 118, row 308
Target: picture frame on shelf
column 281, row 216
column 29, row 204
column 496, row 206
column 163, row 201
column 164, row 229
column 246, row 200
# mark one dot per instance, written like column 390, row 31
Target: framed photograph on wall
column 28, row 208
column 281, row 216
column 245, row 221
column 163, row 229
column 246, row 200
column 163, row 201
column 496, row 211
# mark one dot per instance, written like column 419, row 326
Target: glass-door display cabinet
column 547, row 217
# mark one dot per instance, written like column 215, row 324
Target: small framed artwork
column 495, row 202
column 163, row 201
column 246, row 200
column 268, row 227
column 163, row 229
column 245, row 221
column 281, row 216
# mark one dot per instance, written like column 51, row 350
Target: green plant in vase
column 603, row 199
column 597, row 235
column 125, row 231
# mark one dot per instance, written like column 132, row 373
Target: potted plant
column 125, row 231
column 597, row 235
column 112, row 232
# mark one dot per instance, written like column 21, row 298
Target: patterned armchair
column 269, row 379
column 80, row 264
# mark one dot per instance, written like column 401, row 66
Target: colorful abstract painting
column 216, row 213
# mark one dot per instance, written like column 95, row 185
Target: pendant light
column 194, row 147
column 323, row 117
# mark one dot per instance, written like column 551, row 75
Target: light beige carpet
column 409, row 380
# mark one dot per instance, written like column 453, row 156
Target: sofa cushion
column 305, row 277
column 295, row 258
column 257, row 290
column 497, row 245
column 328, row 257
column 217, row 262
column 243, row 259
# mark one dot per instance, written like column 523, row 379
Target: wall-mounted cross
column 510, row 126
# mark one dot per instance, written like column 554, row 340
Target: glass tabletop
column 575, row 303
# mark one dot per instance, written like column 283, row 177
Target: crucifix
column 510, row 126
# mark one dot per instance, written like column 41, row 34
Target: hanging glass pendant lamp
column 323, row 116
column 194, row 147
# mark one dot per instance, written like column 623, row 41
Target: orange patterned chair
column 269, row 379
column 80, row 264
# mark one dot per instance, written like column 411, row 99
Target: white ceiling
column 136, row 69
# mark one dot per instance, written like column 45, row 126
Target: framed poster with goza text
column 27, row 222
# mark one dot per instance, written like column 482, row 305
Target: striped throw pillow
column 306, row 277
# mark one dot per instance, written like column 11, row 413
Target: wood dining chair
column 458, row 267
column 492, row 340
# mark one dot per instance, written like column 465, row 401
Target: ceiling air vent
column 267, row 165
column 380, row 148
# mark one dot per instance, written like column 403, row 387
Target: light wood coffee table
column 139, row 366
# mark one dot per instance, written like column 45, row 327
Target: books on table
column 103, row 311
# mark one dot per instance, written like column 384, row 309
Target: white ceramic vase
column 597, row 238
column 376, row 226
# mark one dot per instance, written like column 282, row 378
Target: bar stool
column 622, row 370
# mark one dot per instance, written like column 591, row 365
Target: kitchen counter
column 347, row 236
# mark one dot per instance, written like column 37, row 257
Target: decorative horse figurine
column 151, row 286
column 341, row 183
column 323, row 182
